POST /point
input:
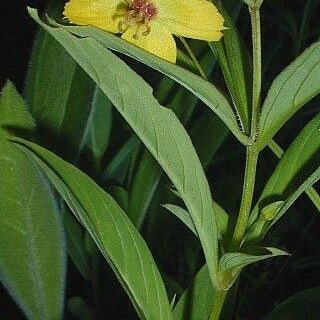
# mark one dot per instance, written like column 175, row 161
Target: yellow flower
column 150, row 24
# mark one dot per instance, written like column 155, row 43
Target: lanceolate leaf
column 32, row 248
column 235, row 261
column 303, row 305
column 235, row 62
column 196, row 302
column 76, row 244
column 206, row 91
column 112, row 231
column 66, row 104
column 156, row 126
column 55, row 83
column 96, row 134
column 292, row 89
column 183, row 215
column 143, row 188
column 297, row 164
column 149, row 172
column 294, row 196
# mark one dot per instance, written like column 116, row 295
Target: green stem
column 218, row 301
column 252, row 154
column 311, row 191
column 257, row 66
column 247, row 196
column 193, row 57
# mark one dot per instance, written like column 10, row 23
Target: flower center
column 138, row 13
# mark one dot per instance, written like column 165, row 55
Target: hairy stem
column 247, row 196
column 252, row 154
column 257, row 66
column 218, row 301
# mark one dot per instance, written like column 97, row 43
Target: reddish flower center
column 138, row 14
column 143, row 8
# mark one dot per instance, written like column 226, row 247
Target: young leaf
column 235, row 261
column 156, row 126
column 296, row 165
column 205, row 91
column 292, row 89
column 314, row 177
column 112, row 231
column 235, row 62
column 231, row 263
column 268, row 213
column 303, row 305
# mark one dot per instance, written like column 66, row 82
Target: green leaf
column 55, row 84
column 14, row 116
column 221, row 216
column 79, row 309
column 144, row 185
column 235, row 62
column 117, row 168
column 268, row 213
column 235, row 261
column 76, row 245
column 296, row 171
column 112, row 231
column 231, row 263
column 292, row 89
column 156, row 126
column 303, row 305
column 183, row 215
column 196, row 301
column 73, row 116
column 121, row 196
column 149, row 172
column 32, row 246
column 96, row 135
column 203, row 89
column 315, row 176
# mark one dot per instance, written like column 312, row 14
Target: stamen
column 123, row 26
column 137, row 13
column 147, row 31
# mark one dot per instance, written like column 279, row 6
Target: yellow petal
column 102, row 14
column 159, row 41
column 198, row 19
